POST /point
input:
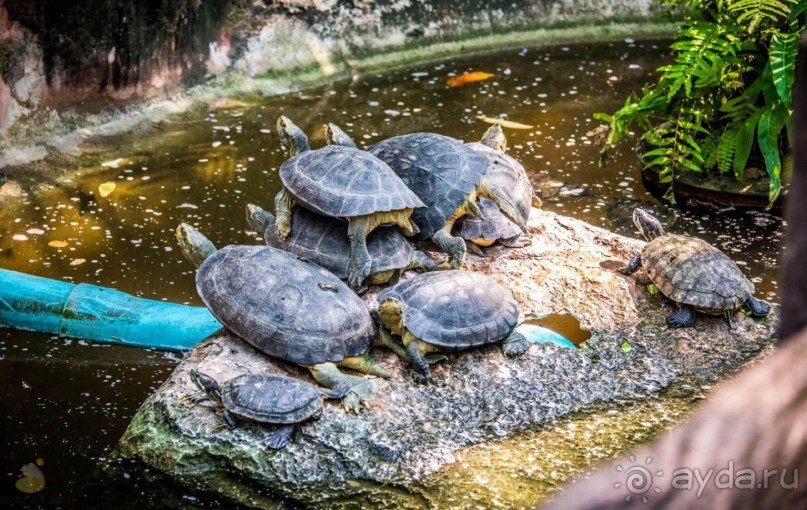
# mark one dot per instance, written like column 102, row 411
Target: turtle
column 268, row 399
column 495, row 227
column 324, row 241
column 506, row 173
column 342, row 182
column 447, row 176
column 288, row 308
column 692, row 273
column 449, row 311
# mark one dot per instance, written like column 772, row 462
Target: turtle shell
column 342, row 181
column 495, row 225
column 270, row 398
column 455, row 310
column 692, row 272
column 510, row 175
column 324, row 241
column 440, row 170
column 288, row 308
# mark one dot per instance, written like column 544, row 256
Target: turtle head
column 335, row 136
column 649, row 226
column 258, row 219
column 208, row 385
column 390, row 314
column 292, row 138
column 195, row 246
column 494, row 138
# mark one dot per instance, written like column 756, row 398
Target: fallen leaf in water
column 464, row 78
column 112, row 164
column 106, row 189
column 504, row 123
column 57, row 244
column 77, row 262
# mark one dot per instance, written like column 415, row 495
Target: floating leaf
column 509, row 124
column 115, row 163
column 626, row 347
column 77, row 262
column 465, row 78
column 58, row 244
column 106, row 189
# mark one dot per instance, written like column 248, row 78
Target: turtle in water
column 342, row 182
column 448, row 177
column 288, row 308
column 484, row 232
column 449, row 311
column 269, row 399
column 692, row 273
column 324, row 241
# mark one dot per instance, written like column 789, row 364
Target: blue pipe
column 99, row 314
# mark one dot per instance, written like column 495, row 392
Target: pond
column 67, row 402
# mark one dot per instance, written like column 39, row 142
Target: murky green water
column 67, row 402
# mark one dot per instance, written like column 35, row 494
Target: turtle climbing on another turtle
column 509, row 176
column 324, row 241
column 342, row 182
column 449, row 311
column 448, row 177
column 267, row 399
column 481, row 233
column 692, row 273
column 287, row 308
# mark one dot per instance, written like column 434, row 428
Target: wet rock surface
column 385, row 456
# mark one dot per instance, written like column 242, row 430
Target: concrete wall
column 56, row 54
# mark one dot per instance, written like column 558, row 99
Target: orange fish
column 464, row 78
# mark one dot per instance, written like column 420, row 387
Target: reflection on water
column 67, row 402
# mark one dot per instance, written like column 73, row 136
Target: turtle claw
column 360, row 392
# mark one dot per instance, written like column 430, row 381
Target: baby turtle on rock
column 268, row 399
column 692, row 273
column 449, row 311
column 288, row 308
column 342, row 182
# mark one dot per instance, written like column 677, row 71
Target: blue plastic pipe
column 99, row 314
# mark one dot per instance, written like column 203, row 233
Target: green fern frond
column 754, row 13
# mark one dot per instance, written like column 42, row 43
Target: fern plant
column 727, row 96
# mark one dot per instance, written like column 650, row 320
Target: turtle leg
column 518, row 241
column 488, row 190
column 385, row 339
column 758, row 307
column 403, row 220
column 279, row 438
column 284, row 202
column 423, row 262
column 338, row 392
column 515, row 345
column 229, row 419
column 328, row 375
column 417, row 351
column 360, row 262
column 474, row 248
column 632, row 266
column 364, row 364
column 683, row 318
column 454, row 247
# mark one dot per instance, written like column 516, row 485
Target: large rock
column 385, row 456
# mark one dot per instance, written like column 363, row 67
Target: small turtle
column 449, row 311
column 324, row 241
column 448, row 176
column 692, row 273
column 495, row 227
column 288, row 308
column 342, row 182
column 268, row 399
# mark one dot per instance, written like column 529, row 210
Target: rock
column 389, row 454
